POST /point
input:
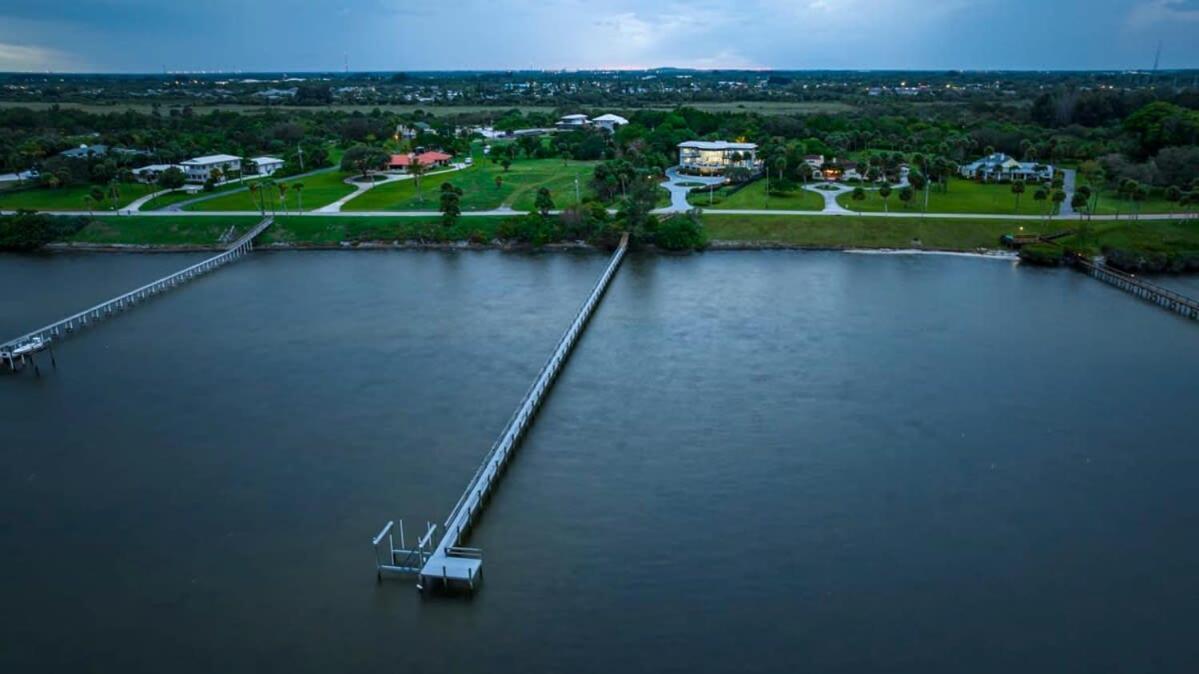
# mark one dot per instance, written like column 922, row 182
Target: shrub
column 1042, row 254
column 681, row 232
column 29, row 231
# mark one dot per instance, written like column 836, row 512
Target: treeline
column 27, row 231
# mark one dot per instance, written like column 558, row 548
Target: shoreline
column 714, row 246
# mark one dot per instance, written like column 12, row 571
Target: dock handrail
column 1148, row 285
column 238, row 247
column 541, row 382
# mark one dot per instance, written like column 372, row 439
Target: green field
column 1166, row 236
column 761, row 107
column 319, row 190
column 1111, row 203
column 334, row 229
column 161, row 230
column 66, row 198
column 753, row 196
column 849, row 231
column 518, row 191
column 964, row 196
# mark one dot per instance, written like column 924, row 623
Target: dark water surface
column 754, row 462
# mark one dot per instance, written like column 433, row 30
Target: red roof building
column 426, row 159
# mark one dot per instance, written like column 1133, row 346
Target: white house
column 609, row 122
column 150, row 174
column 199, row 169
column 265, row 166
column 1001, row 167
column 715, row 157
column 572, row 122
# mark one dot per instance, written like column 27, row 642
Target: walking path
column 676, row 185
column 360, row 188
column 179, row 206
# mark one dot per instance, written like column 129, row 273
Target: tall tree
column 884, row 191
column 450, row 203
column 1018, row 190
column 299, row 188
column 544, row 202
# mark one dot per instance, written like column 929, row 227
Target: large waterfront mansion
column 717, row 157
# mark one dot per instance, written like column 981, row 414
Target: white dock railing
column 470, row 504
column 57, row 329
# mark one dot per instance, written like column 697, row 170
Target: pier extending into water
column 17, row 352
column 1150, row 292
column 446, row 562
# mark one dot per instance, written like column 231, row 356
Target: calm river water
column 760, row 462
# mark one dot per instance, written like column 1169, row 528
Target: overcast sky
column 308, row 35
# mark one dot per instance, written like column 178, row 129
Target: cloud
column 25, row 58
column 1159, row 12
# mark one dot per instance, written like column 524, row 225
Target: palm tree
column 884, row 191
column 1058, row 197
column 299, row 188
column 282, row 187
column 1018, row 190
column 114, row 193
column 255, row 192
column 416, row 170
column 1173, row 194
column 859, row 195
column 1041, row 194
column 90, row 203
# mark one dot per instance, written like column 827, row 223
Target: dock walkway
column 15, row 352
column 449, row 563
column 1150, row 292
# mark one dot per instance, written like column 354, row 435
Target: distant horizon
column 432, row 71
column 226, row 36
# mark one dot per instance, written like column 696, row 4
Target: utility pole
column 578, row 199
column 300, row 151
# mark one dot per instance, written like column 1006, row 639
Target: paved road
column 505, row 212
column 1068, row 176
column 678, row 191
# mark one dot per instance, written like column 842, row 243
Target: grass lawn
column 161, row 230
column 1111, row 203
column 753, row 196
column 519, row 188
column 964, row 196
column 1165, row 236
column 65, row 198
column 333, row 229
column 162, row 201
column 866, row 232
column 319, row 190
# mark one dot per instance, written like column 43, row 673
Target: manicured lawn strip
column 1164, row 236
column 66, row 198
column 319, row 190
column 161, row 230
column 753, row 196
column 964, row 196
column 1111, row 203
column 162, row 201
column 518, row 190
column 333, row 229
column 866, row 232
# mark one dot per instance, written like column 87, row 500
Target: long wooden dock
column 16, row 352
column 1150, row 292
column 448, row 563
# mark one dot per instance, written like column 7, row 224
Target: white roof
column 574, row 116
column 717, row 145
column 153, row 168
column 615, row 119
column 211, row 159
column 266, row 160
